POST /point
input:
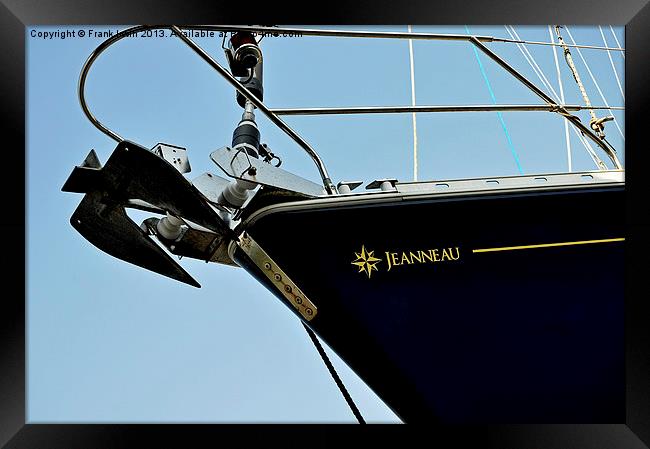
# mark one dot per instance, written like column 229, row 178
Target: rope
column 617, row 42
column 569, row 60
column 494, row 100
column 611, row 61
column 415, row 128
column 559, row 80
column 594, row 80
column 334, row 375
column 540, row 74
column 576, row 76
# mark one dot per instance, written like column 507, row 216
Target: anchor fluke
column 138, row 178
column 108, row 227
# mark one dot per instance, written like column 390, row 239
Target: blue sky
column 111, row 342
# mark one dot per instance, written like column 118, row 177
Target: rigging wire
column 559, row 80
column 617, row 42
column 415, row 128
column 590, row 150
column 588, row 47
column 540, row 74
column 334, row 374
column 591, row 75
column 529, row 57
column 494, row 100
column 611, row 61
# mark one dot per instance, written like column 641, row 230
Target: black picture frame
column 16, row 15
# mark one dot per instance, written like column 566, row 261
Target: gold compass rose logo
column 366, row 261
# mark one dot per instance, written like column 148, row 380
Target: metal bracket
column 175, row 155
column 239, row 165
column 210, row 186
column 279, row 278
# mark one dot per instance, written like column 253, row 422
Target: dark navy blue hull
column 458, row 315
